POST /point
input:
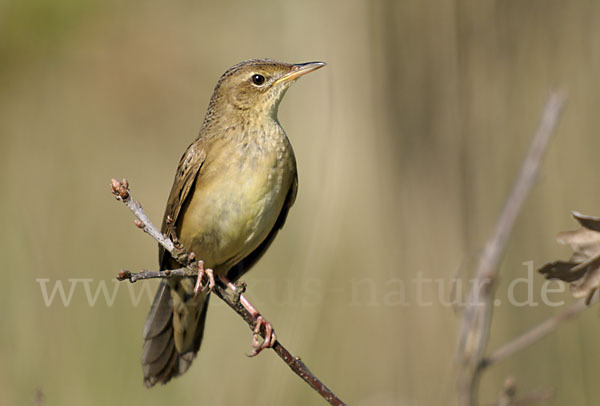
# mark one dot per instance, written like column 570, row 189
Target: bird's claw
column 201, row 273
column 269, row 340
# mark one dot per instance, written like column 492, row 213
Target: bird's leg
column 270, row 337
column 201, row 272
column 269, row 340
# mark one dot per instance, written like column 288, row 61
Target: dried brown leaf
column 561, row 270
column 583, row 241
column 590, row 281
column 589, row 222
column 582, row 271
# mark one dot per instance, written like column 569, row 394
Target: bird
column 231, row 195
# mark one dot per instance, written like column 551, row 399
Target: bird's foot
column 269, row 340
column 201, row 273
column 270, row 337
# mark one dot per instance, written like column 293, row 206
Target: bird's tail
column 173, row 331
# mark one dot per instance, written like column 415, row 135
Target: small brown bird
column 232, row 192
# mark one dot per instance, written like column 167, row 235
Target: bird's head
column 255, row 88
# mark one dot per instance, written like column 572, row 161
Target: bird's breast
column 237, row 198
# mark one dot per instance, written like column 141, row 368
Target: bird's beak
column 298, row 70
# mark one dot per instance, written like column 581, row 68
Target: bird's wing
column 161, row 359
column 187, row 172
column 245, row 264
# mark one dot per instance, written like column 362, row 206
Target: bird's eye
column 258, row 79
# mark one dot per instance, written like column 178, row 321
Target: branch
column 475, row 325
column 533, row 398
column 536, row 333
column 233, row 298
column 509, row 395
column 147, row 274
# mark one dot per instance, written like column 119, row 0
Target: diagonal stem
column 475, row 325
column 536, row 333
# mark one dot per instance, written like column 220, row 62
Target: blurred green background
column 407, row 144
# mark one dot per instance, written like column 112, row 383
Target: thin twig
column 121, row 191
column 536, row 333
column 509, row 392
column 533, row 398
column 148, row 274
column 475, row 325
